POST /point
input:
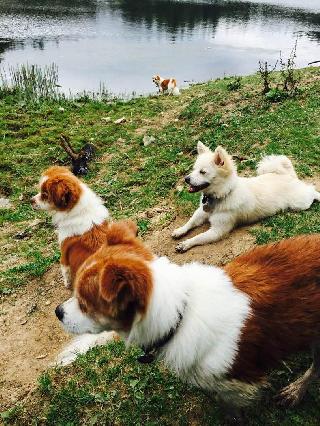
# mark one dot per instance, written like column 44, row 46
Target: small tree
column 265, row 74
column 289, row 77
column 288, row 85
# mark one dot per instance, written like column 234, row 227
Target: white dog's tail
column 176, row 91
column 279, row 164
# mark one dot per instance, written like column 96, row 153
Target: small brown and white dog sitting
column 168, row 85
column 221, row 329
column 78, row 214
column 81, row 221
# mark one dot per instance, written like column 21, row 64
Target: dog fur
column 81, row 221
column 232, row 320
column 168, row 85
column 78, row 214
column 239, row 200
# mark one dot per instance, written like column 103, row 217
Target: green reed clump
column 31, row 82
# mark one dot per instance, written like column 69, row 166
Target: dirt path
column 31, row 337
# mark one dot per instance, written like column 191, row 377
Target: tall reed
column 31, row 82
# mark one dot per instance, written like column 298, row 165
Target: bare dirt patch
column 218, row 253
column 30, row 335
column 165, row 117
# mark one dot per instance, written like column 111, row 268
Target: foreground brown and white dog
column 81, row 221
column 228, row 200
column 166, row 85
column 221, row 329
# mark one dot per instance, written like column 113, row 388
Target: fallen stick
column 79, row 160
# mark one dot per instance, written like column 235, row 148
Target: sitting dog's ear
column 125, row 281
column 201, row 148
column 63, row 193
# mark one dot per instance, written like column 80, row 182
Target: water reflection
column 175, row 16
column 180, row 17
column 49, row 7
column 125, row 41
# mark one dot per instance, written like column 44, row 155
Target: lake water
column 123, row 43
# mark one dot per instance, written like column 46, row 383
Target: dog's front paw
column 81, row 344
column 65, row 358
column 182, row 247
column 177, row 233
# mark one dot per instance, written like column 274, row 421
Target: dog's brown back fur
column 75, row 250
column 283, row 281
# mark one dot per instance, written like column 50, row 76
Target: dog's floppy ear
column 62, row 192
column 121, row 232
column 201, row 148
column 125, row 281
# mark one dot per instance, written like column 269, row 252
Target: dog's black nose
column 59, row 312
column 187, row 179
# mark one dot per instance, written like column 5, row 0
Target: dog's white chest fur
column 214, row 312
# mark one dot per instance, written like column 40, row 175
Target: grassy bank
column 108, row 386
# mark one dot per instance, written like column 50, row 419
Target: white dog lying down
column 228, row 200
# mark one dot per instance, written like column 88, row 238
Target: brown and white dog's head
column 74, row 207
column 60, row 190
column 112, row 287
column 211, row 170
column 157, row 80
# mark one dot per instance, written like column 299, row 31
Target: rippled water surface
column 123, row 43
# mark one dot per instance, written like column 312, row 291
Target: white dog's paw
column 177, row 233
column 65, row 358
column 182, row 247
column 81, row 345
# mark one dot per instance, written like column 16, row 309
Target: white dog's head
column 211, row 171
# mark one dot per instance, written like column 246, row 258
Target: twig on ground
column 79, row 160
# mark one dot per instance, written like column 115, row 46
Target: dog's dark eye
column 202, row 172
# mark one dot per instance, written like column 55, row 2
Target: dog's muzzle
column 195, row 188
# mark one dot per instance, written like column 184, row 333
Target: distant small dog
column 221, row 329
column 168, row 85
column 228, row 200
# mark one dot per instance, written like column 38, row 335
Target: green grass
column 108, row 386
